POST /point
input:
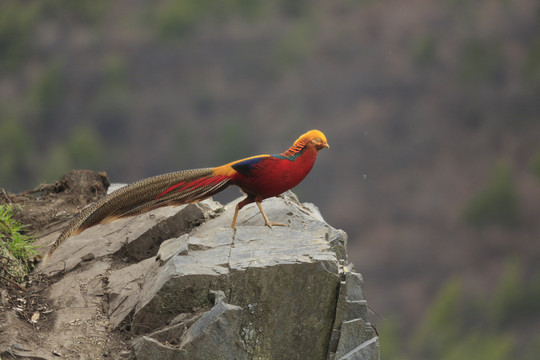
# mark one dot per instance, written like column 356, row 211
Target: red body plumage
column 263, row 176
column 272, row 176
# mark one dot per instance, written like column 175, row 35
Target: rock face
column 184, row 285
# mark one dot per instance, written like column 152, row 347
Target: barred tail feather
column 177, row 188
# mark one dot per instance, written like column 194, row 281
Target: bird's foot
column 269, row 224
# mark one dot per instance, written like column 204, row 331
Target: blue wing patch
column 245, row 167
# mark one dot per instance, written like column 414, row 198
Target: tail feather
column 177, row 188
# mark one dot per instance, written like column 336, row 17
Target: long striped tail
column 177, row 188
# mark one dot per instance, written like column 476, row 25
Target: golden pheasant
column 259, row 177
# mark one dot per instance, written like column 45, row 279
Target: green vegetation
column 481, row 61
column 111, row 104
column 16, row 26
column 532, row 351
column 83, row 149
column 532, row 63
column 442, row 325
column 15, row 247
column 55, row 164
column 391, row 345
column 295, row 46
column 458, row 326
column 19, row 19
column 480, row 345
column 515, row 299
column 177, row 18
column 45, row 94
column 497, row 203
column 16, row 149
column 231, row 141
column 536, row 165
column 424, row 50
column 293, row 7
column 87, row 11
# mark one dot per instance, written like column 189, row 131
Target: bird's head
column 314, row 137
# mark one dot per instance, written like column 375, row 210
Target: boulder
column 215, row 334
column 184, row 285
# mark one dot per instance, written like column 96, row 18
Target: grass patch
column 16, row 248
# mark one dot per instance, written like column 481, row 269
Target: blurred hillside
column 431, row 110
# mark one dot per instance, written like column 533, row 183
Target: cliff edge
column 179, row 283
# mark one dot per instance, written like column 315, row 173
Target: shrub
column 497, row 203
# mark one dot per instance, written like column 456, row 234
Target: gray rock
column 286, row 279
column 124, row 289
column 134, row 238
column 367, row 350
column 172, row 247
column 353, row 332
column 355, row 286
column 215, row 335
column 289, row 295
column 351, row 328
column 355, row 309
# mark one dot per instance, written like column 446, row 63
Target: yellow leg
column 247, row 201
column 235, row 216
column 266, row 222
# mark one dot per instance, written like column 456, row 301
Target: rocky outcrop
column 181, row 284
column 46, row 208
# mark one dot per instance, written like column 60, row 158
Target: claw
column 266, row 221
